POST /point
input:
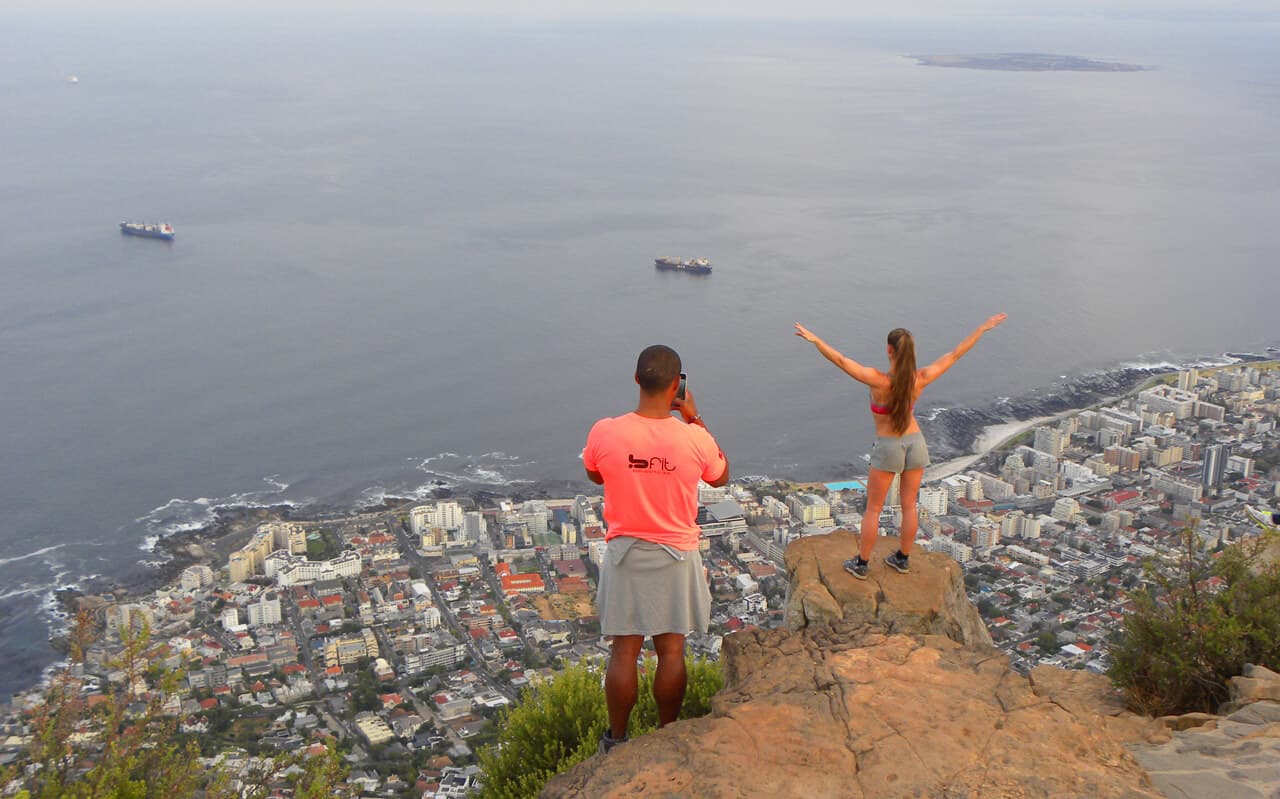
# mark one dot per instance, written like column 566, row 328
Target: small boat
column 150, row 230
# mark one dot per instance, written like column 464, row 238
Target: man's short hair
column 656, row 368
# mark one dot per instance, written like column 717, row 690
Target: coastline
column 961, row 437
column 992, row 438
column 997, row 436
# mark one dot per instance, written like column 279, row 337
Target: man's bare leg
column 620, row 682
column 670, row 680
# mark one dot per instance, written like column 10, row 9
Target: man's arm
column 723, row 479
column 689, row 412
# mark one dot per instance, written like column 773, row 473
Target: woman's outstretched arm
column 936, row 369
column 863, row 374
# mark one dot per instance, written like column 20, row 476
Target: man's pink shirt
column 651, row 468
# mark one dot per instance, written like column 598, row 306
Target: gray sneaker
column 899, row 563
column 607, row 742
column 1264, row 519
column 857, row 567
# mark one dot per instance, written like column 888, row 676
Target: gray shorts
column 897, row 454
column 648, row 589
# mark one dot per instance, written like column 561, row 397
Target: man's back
column 651, row 468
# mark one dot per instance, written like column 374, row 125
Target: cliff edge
column 883, row 688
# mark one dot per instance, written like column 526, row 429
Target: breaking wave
column 184, row 515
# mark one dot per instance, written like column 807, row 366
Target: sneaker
column 857, row 567
column 1264, row 519
column 899, row 562
column 607, row 742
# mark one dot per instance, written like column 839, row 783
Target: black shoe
column 857, row 567
column 899, row 562
column 607, row 742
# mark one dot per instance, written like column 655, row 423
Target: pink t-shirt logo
column 652, row 463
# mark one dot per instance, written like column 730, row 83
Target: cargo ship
column 160, row 230
column 698, row 266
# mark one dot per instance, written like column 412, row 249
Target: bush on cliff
column 1195, row 627
column 558, row 724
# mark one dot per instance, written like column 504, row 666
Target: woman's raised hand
column 991, row 323
column 803, row 332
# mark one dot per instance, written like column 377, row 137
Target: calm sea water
column 413, row 250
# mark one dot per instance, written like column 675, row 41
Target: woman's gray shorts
column 650, row 589
column 897, row 454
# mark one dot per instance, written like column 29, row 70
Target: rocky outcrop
column 931, row 600
column 875, row 696
column 1234, row 755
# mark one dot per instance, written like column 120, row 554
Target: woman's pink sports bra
column 884, row 410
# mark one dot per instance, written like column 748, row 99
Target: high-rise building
column 1169, row 399
column 475, row 526
column 264, row 612
column 535, row 516
column 568, row 533
column 1049, row 440
column 1125, row 459
column 1215, row 466
column 196, row 577
column 449, row 515
column 984, row 533
column 1064, row 509
column 1188, row 378
column 809, row 508
column 933, row 500
column 230, row 618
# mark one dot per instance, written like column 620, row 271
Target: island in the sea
column 1025, row 62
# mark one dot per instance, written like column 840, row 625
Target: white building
column 933, row 500
column 230, row 618
column 809, row 508
column 1064, row 509
column 292, row 570
column 264, row 612
column 196, row 577
column 959, row 551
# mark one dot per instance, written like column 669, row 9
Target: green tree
column 1188, row 635
column 558, row 724
column 1047, row 642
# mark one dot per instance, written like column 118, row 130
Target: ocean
column 417, row 252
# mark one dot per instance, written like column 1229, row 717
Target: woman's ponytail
column 902, row 379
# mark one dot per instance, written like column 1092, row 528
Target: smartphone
column 680, row 389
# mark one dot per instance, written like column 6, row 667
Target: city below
column 400, row 634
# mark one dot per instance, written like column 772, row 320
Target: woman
column 899, row 447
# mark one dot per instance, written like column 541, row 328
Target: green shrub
column 558, row 725
column 1187, row 637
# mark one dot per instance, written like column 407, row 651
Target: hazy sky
column 796, row 9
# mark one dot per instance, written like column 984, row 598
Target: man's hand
column 687, row 407
column 993, row 322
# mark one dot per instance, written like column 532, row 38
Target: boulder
column 930, row 600
column 887, row 688
column 1256, row 684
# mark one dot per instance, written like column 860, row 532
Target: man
column 651, row 580
column 1267, row 520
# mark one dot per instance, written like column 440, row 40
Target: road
column 464, row 635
